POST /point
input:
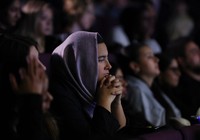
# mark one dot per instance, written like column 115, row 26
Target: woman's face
column 192, row 56
column 14, row 13
column 172, row 74
column 68, row 6
column 44, row 24
column 88, row 17
column 148, row 63
column 103, row 63
column 148, row 20
column 72, row 7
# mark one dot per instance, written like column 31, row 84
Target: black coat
column 74, row 122
column 25, row 120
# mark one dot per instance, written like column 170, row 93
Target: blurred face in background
column 192, row 57
column 148, row 63
column 69, row 6
column 73, row 7
column 148, row 20
column 14, row 13
column 44, row 23
column 171, row 75
column 88, row 17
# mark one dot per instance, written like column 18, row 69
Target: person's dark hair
column 13, row 52
column 165, row 59
column 131, row 53
column 4, row 5
column 99, row 39
column 115, row 48
column 131, row 17
column 114, row 63
column 115, row 57
column 179, row 46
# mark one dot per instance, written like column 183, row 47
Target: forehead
column 145, row 50
column 102, row 49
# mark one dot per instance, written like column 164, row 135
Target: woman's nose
column 108, row 65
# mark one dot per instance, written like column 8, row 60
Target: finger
column 35, row 66
column 22, row 73
column 102, row 81
column 43, row 77
column 30, row 67
column 118, row 90
column 13, row 82
column 112, row 78
column 116, row 83
column 109, row 80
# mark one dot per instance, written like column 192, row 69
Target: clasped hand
column 109, row 88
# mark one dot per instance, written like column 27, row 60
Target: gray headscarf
column 79, row 52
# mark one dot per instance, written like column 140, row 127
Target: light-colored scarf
column 79, row 52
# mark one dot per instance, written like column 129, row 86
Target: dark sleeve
column 74, row 122
column 104, row 123
column 30, row 122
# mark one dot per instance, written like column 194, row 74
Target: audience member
column 180, row 23
column 24, row 97
column 87, row 99
column 10, row 14
column 188, row 56
column 79, row 17
column 38, row 24
column 164, row 89
column 141, row 68
column 137, row 24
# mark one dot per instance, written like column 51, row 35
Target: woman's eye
column 101, row 60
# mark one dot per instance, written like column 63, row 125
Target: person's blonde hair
column 32, row 9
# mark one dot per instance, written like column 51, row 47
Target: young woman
column 38, row 24
column 87, row 99
column 141, row 70
column 165, row 89
column 10, row 15
column 24, row 93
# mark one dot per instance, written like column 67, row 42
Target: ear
column 134, row 66
column 13, row 82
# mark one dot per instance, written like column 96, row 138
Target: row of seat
column 184, row 133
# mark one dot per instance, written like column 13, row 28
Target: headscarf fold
column 80, row 66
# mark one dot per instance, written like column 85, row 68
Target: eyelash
column 100, row 60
